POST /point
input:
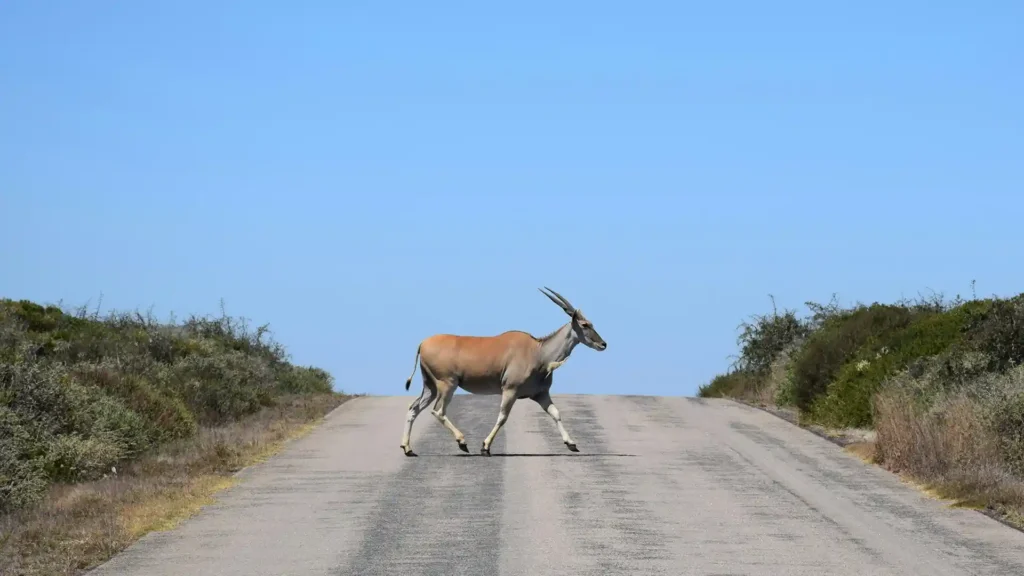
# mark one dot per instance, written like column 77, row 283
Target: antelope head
column 581, row 326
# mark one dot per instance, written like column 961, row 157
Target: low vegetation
column 940, row 383
column 114, row 426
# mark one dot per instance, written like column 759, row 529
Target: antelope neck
column 557, row 346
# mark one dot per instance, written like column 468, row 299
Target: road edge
column 240, row 474
column 844, row 442
column 235, row 478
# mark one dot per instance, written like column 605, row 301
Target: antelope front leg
column 552, row 366
column 544, row 399
column 508, row 398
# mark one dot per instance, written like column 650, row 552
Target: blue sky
column 361, row 175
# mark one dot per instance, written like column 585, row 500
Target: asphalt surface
column 660, row 486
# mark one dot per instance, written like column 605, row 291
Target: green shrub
column 304, row 380
column 80, row 393
column 35, row 317
column 165, row 414
column 1008, row 420
column 71, row 458
column 732, row 384
column 766, row 337
column 836, row 342
column 22, row 478
column 997, row 329
column 43, row 397
column 121, row 426
column 766, row 342
column 848, row 401
column 783, row 393
column 226, row 386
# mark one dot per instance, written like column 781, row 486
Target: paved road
column 661, row 486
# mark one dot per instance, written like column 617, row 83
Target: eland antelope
column 514, row 364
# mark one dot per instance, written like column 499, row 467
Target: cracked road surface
column 661, row 486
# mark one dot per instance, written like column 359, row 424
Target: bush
column 305, row 380
column 965, row 439
column 44, row 397
column 166, row 417
column 1002, row 397
column 80, row 393
column 766, row 337
column 948, row 441
column 835, row 343
column 765, row 344
column 942, row 384
column 71, row 458
column 728, row 385
column 120, row 426
column 847, row 401
column 226, row 386
column 997, row 329
column 1008, row 422
column 22, row 479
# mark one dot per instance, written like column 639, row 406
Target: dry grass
column 949, row 450
column 866, row 451
column 79, row 526
column 768, row 391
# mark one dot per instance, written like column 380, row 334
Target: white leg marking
column 548, row 406
column 415, row 408
column 554, row 365
column 508, row 398
column 439, row 413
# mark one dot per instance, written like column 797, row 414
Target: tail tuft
column 414, row 362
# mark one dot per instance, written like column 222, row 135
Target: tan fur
column 474, row 361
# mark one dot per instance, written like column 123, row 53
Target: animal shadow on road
column 530, row 455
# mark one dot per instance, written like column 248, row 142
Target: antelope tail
column 414, row 362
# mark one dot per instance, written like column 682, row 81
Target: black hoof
column 409, row 453
column 572, row 447
column 485, row 451
column 464, row 447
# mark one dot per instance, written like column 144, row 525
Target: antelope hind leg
column 446, row 390
column 417, row 406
